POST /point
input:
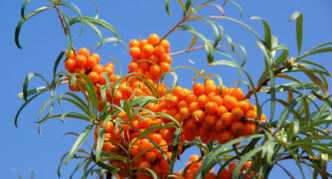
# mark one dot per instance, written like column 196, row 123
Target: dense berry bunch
column 150, row 57
column 206, row 111
column 214, row 114
column 85, row 63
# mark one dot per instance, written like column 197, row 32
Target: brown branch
column 187, row 50
column 238, row 155
column 60, row 17
column 173, row 29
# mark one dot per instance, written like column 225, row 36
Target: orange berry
column 153, row 39
column 70, row 65
column 165, row 44
column 134, row 43
column 191, row 98
column 237, row 113
column 154, row 69
column 220, row 126
column 94, row 77
column 209, row 83
column 184, row 112
column 202, row 100
column 135, row 52
column 237, row 93
column 199, row 115
column 166, row 133
column 145, row 164
column 227, row 119
column 150, row 157
column 110, row 65
column 251, row 114
column 159, row 51
column 221, row 110
column 84, row 51
column 210, row 121
column 98, row 68
column 198, row 89
column 216, row 99
column 165, row 66
column 224, row 174
column 142, row 43
column 81, row 61
column 249, row 128
column 244, row 105
column 132, row 67
column 231, row 167
column 154, row 59
column 108, row 70
column 92, row 61
column 96, row 56
column 102, row 80
column 166, row 58
column 211, row 108
column 147, row 50
column 71, row 55
column 237, row 127
column 182, row 104
column 157, row 138
column 190, row 125
column 194, row 157
column 230, row 102
column 193, row 106
column 263, row 117
column 224, row 136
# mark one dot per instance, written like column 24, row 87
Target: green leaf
column 318, row 51
column 107, row 40
column 167, row 7
column 209, row 161
column 100, row 140
column 175, row 150
column 225, row 63
column 268, row 34
column 299, row 29
column 154, row 175
column 78, row 167
column 245, row 158
column 27, row 81
column 76, row 10
column 23, row 106
column 293, row 129
column 23, row 8
column 268, row 60
column 17, row 173
column 207, row 44
column 285, row 114
column 20, row 23
column 314, row 79
column 81, row 138
column 99, row 22
column 33, row 91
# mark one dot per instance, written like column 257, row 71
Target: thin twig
column 238, row 155
column 60, row 17
column 173, row 29
column 187, row 50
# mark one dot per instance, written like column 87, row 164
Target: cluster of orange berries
column 87, row 64
column 150, row 57
column 205, row 111
column 213, row 114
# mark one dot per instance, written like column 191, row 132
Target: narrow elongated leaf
column 318, row 51
column 107, row 40
column 81, row 138
column 27, row 81
column 268, row 34
column 167, row 7
column 20, row 23
column 77, row 168
column 175, row 150
column 23, row 8
column 285, row 114
column 245, row 158
column 25, row 104
column 207, row 44
column 33, row 91
column 314, row 79
column 299, row 29
column 100, row 141
column 225, row 63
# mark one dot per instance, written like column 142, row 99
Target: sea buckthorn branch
column 176, row 26
column 60, row 16
column 185, row 51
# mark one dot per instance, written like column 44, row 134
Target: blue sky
column 42, row 39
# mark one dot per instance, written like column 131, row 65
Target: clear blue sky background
column 42, row 39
